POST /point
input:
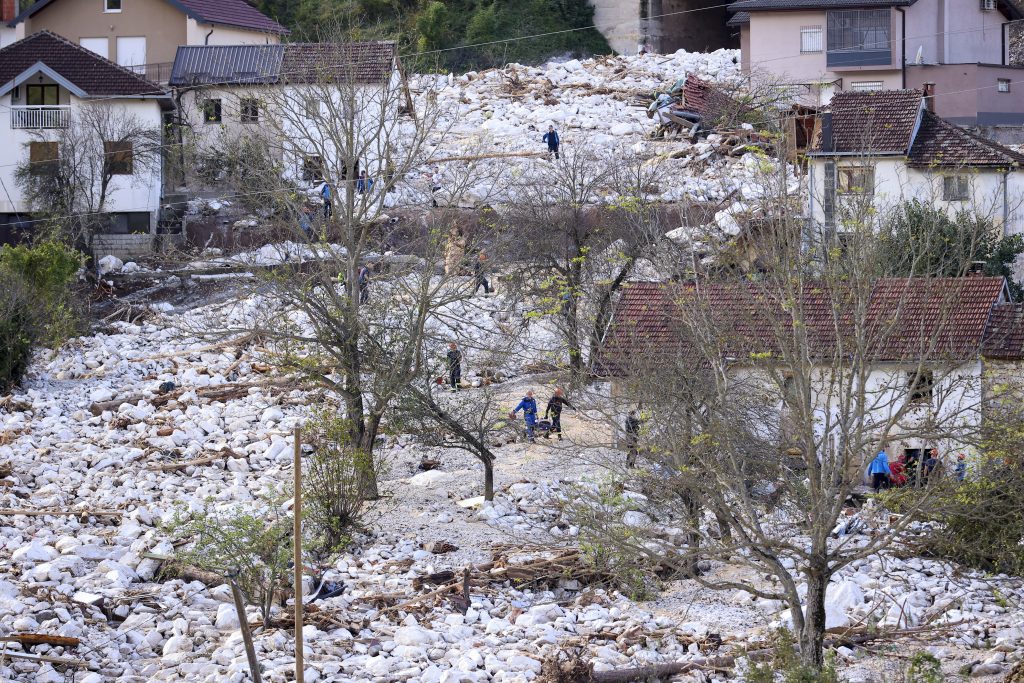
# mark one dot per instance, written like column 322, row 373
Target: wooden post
column 243, row 623
column 297, row 534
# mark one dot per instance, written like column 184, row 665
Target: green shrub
column 254, row 548
column 924, row 668
column 785, row 660
column 333, row 504
column 36, row 303
column 19, row 330
column 46, row 270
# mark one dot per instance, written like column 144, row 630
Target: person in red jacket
column 899, row 472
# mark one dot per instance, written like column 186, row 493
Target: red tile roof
column 907, row 319
column 1004, row 338
column 228, row 12
column 96, row 76
column 941, row 143
column 708, row 100
column 366, row 62
column 875, row 121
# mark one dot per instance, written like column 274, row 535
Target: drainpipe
column 903, row 46
column 1006, row 203
column 1002, row 43
column 206, row 40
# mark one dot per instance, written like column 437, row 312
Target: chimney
column 929, row 96
column 826, row 132
column 8, row 10
column 976, row 269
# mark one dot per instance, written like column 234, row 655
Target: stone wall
column 130, row 247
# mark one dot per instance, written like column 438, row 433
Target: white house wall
column 896, row 183
column 135, row 193
column 200, row 34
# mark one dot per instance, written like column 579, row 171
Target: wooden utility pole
column 243, row 623
column 297, row 534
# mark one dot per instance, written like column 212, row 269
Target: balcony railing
column 40, row 117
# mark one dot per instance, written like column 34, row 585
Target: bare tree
column 586, row 221
column 71, row 173
column 767, row 397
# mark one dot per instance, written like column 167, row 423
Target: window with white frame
column 865, row 86
column 1003, row 84
column 111, row 5
column 956, row 188
column 811, row 39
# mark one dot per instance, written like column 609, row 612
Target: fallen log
column 13, row 512
column 173, row 569
column 643, row 673
column 28, row 639
column 112, row 405
column 170, row 466
column 46, row 658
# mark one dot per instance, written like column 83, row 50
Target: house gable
column 237, row 13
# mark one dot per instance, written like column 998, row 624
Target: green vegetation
column 435, row 27
column 785, row 660
column 922, row 239
column 36, row 303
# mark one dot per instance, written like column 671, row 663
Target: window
column 131, row 53
column 864, row 86
column 856, row 180
column 119, row 157
column 41, row 95
column 810, row 39
column 249, row 110
column 100, row 46
column 955, row 188
column 111, row 5
column 312, row 169
column 312, row 108
column 1003, row 84
column 859, row 38
column 921, row 386
column 128, row 223
column 43, row 157
column 211, row 111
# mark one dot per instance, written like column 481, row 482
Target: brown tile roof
column 941, row 143
column 228, row 12
column 1004, row 338
column 94, row 75
column 709, row 101
column 907, row 319
column 366, row 62
column 878, row 121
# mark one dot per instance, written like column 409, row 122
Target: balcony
column 49, row 116
column 838, row 60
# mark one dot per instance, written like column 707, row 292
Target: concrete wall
column 196, row 34
column 967, row 94
column 124, row 247
column 138, row 192
column 692, row 25
column 775, row 51
column 619, row 22
column 895, row 183
column 158, row 20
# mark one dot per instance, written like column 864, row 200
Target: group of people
column 556, row 403
column 910, row 470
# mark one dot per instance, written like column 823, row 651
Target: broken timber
column 13, row 512
column 170, row 466
column 29, row 639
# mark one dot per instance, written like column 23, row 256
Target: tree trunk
column 488, row 479
column 812, row 635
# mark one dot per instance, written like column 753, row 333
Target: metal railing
column 51, row 116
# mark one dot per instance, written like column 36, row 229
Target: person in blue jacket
column 529, row 407
column 325, row 194
column 551, row 137
column 879, row 470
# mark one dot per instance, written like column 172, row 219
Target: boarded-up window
column 956, row 188
column 119, row 156
column 249, row 110
column 312, row 169
column 43, row 157
column 856, row 180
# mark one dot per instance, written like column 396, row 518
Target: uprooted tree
column 767, row 396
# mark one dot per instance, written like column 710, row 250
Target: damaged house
column 883, row 148
column 935, row 350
